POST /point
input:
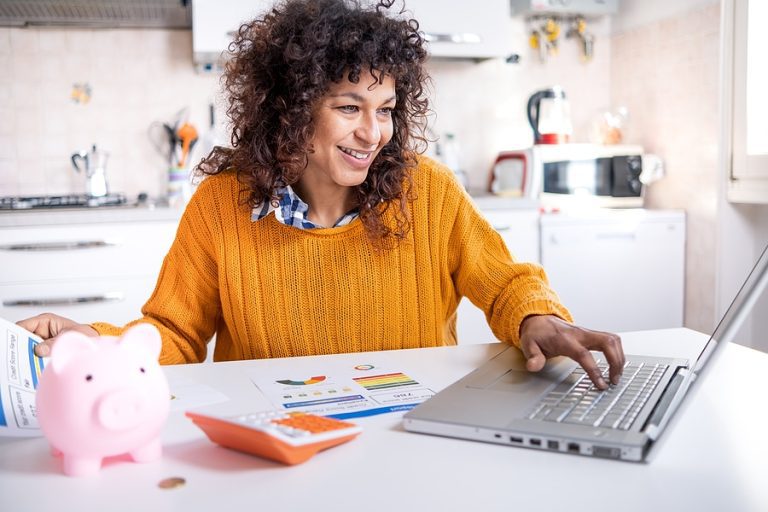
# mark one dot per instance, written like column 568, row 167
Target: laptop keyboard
column 577, row 400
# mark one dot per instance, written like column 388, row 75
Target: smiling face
column 352, row 122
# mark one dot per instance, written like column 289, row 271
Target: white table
column 713, row 457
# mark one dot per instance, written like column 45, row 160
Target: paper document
column 187, row 394
column 342, row 390
column 18, row 381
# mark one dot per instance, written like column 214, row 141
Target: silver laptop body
column 559, row 410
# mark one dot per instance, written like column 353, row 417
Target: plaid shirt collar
column 292, row 211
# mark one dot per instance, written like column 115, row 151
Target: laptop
column 558, row 409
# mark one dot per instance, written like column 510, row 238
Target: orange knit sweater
column 269, row 290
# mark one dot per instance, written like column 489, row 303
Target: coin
column 172, row 482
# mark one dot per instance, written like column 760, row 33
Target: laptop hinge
column 669, row 402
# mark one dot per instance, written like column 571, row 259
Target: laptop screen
column 752, row 289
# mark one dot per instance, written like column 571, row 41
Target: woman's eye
column 387, row 111
column 348, row 109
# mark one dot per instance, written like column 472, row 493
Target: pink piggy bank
column 101, row 397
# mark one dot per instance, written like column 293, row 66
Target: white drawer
column 33, row 254
column 116, row 301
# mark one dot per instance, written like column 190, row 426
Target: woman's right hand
column 48, row 326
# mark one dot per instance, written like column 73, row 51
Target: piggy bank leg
column 151, row 451
column 81, row 466
column 55, row 451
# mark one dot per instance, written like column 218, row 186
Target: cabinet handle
column 502, row 228
column 617, row 235
column 463, row 38
column 65, row 301
column 58, row 246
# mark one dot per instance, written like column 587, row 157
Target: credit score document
column 343, row 390
column 19, row 377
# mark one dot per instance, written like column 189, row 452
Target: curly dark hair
column 281, row 66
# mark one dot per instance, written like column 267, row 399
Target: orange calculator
column 287, row 437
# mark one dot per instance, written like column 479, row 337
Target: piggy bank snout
column 121, row 409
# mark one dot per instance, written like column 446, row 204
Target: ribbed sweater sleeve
column 483, row 269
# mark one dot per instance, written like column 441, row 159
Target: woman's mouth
column 359, row 155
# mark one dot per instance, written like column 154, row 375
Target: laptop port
column 514, row 439
column 535, row 442
column 606, row 452
column 574, row 447
column 553, row 445
column 497, row 436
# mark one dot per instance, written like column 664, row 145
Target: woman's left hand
column 544, row 336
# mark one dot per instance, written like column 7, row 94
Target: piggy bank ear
column 144, row 336
column 68, row 347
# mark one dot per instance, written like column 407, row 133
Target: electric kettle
column 550, row 116
column 95, row 169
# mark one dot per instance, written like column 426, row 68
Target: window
column 749, row 99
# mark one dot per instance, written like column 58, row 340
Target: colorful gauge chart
column 364, row 367
column 311, row 380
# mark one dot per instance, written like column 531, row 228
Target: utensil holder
column 179, row 189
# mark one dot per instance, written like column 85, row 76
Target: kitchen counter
column 67, row 216
column 137, row 213
column 487, row 201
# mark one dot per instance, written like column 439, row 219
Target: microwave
column 572, row 174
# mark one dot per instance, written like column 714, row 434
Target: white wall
column 638, row 13
column 743, row 236
column 666, row 70
column 141, row 76
column 136, row 77
column 759, row 335
column 742, row 228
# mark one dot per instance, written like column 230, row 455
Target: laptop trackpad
column 507, row 372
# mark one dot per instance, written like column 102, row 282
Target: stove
column 68, row 201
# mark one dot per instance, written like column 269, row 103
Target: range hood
column 97, row 13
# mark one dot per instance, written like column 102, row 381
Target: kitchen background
column 68, row 88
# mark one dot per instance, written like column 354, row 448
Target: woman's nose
column 368, row 131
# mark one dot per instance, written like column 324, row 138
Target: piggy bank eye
column 89, row 377
column 142, row 370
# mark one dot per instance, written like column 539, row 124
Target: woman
column 321, row 230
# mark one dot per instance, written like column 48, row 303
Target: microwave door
column 578, row 177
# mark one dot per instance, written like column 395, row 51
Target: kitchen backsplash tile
column 24, row 42
column 31, row 176
column 52, row 42
column 8, row 174
column 5, row 41
column 6, row 121
column 136, row 77
column 7, row 150
column 675, row 113
column 123, row 79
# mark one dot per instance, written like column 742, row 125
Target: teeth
column 359, row 156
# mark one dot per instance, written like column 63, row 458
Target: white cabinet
column 475, row 30
column 87, row 272
column 617, row 270
column 520, row 231
column 461, row 30
column 215, row 22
